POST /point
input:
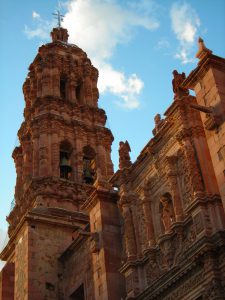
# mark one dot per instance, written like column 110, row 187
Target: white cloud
column 118, row 84
column 35, row 15
column 42, row 28
column 185, row 23
column 98, row 27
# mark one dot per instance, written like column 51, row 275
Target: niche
column 65, row 162
column 166, row 212
column 89, row 167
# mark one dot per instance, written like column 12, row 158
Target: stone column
column 55, row 82
column 146, row 206
column 43, row 155
column 18, row 159
column 109, row 164
column 39, row 82
column 72, row 89
column 191, row 160
column 55, row 154
column 27, row 163
column 172, row 179
column 79, row 154
column 129, row 232
column 101, row 158
column 46, row 83
column 35, row 156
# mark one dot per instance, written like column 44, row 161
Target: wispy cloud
column 185, row 24
column 163, row 43
column 35, row 15
column 41, row 28
column 98, row 27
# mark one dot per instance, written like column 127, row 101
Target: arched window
column 166, row 212
column 65, row 163
column 89, row 168
column 63, row 84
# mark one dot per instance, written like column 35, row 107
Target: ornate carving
column 124, row 156
column 147, row 216
column 152, row 268
column 129, row 232
column 183, row 289
column 213, row 290
column 95, row 242
column 158, row 124
column 178, row 90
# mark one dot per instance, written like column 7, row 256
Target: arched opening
column 166, row 212
column 78, row 92
column 63, row 85
column 65, row 163
column 89, row 168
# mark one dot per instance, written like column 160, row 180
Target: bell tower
column 64, row 150
column 64, row 143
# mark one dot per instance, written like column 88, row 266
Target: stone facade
column 155, row 229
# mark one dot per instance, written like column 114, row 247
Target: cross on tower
column 59, row 17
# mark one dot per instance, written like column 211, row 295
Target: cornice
column 50, row 216
column 203, row 66
column 102, row 195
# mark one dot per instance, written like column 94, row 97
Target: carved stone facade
column 155, row 229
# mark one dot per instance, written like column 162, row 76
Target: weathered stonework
column 153, row 230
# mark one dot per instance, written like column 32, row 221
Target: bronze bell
column 65, row 167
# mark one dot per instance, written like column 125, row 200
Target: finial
column 59, row 18
column 177, row 81
column 202, row 50
column 124, row 156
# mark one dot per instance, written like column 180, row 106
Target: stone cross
column 59, row 17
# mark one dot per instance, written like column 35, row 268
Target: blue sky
column 135, row 45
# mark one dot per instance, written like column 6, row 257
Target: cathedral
column 154, row 229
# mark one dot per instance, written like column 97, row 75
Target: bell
column 65, row 167
column 88, row 177
column 64, row 162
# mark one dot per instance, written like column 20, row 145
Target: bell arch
column 65, row 151
column 89, row 164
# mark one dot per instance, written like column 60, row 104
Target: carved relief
column 213, row 290
column 124, row 156
column 176, row 82
column 129, row 232
column 190, row 178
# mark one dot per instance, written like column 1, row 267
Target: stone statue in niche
column 124, row 156
column 167, row 212
column 129, row 232
column 176, row 82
